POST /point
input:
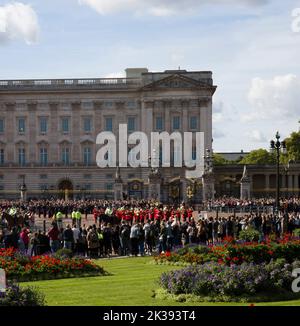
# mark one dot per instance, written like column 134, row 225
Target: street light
column 208, row 177
column 277, row 147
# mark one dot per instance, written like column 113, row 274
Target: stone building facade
column 262, row 180
column 48, row 130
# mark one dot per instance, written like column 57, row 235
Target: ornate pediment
column 178, row 81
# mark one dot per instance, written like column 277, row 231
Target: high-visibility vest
column 74, row 214
column 78, row 215
column 12, row 211
column 100, row 236
column 59, row 215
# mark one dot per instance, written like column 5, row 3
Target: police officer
column 59, row 217
column 78, row 218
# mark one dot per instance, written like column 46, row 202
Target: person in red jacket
column 53, row 235
column 24, row 236
column 96, row 214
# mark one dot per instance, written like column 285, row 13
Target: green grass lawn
column 132, row 283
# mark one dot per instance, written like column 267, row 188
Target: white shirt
column 76, row 233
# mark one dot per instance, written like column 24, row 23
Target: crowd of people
column 130, row 227
column 290, row 204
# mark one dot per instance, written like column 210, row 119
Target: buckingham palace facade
column 48, row 130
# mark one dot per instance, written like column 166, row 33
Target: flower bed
column 245, row 282
column 231, row 253
column 25, row 268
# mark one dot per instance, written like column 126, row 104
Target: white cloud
column 278, row 97
column 159, row 7
column 218, row 133
column 18, row 21
column 256, row 136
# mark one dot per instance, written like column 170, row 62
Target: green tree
column 293, row 146
column 259, row 157
column 218, row 159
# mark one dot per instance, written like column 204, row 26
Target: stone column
column 296, row 184
column 245, row 182
column 167, row 110
column 283, row 180
column 98, row 123
column 185, row 117
column 206, row 121
column 54, row 133
column 290, row 184
column 154, row 181
column 76, row 132
column 32, row 128
column 267, row 179
column 184, row 196
column 208, row 189
column 147, row 123
column 118, row 186
column 10, row 129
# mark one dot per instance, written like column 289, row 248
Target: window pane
column 194, row 152
column 21, row 125
column 87, row 122
column 131, row 124
column 87, row 155
column 1, row 125
column 159, row 123
column 66, row 156
column 43, row 125
column 43, row 156
column 108, row 124
column 65, row 125
column 193, row 122
column 22, row 158
column 1, row 156
column 176, row 122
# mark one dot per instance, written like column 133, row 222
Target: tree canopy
column 259, row 157
column 293, row 146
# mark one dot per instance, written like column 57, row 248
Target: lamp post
column 208, row 177
column 277, row 147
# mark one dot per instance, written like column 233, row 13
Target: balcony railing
column 95, row 83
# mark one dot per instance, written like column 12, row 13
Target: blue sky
column 248, row 44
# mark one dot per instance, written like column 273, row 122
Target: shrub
column 296, row 233
column 222, row 281
column 249, row 235
column 63, row 253
column 17, row 296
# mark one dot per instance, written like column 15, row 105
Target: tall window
column 21, row 125
column 87, row 155
column 194, row 122
column 22, row 156
column 108, row 124
column 159, row 123
column 2, row 160
column 43, row 156
column 194, row 152
column 131, row 124
column 65, row 125
column 1, row 126
column 43, row 125
column 65, row 155
column 176, row 123
column 87, row 124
